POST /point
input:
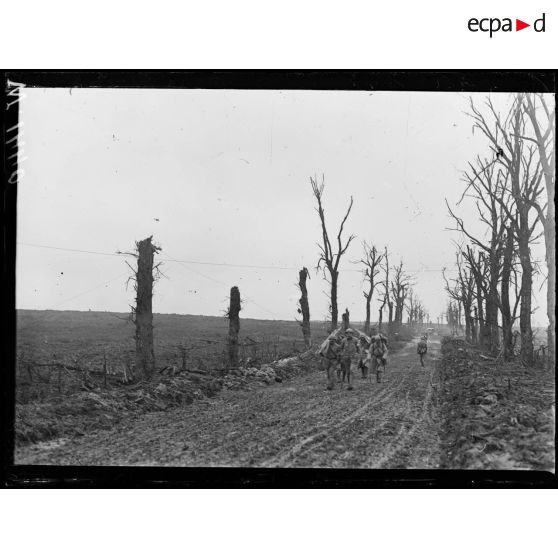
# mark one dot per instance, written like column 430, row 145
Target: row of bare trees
column 392, row 283
column 513, row 194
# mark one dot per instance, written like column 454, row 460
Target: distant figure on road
column 349, row 350
column 422, row 348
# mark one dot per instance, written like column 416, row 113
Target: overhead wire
column 217, row 281
column 170, row 258
column 104, row 283
column 196, row 262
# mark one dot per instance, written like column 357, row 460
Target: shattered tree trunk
column 474, row 327
column 234, row 327
column 550, row 241
column 520, row 193
column 507, row 333
column 482, row 330
column 346, row 323
column 548, row 164
column 467, row 316
column 492, row 308
column 381, row 316
column 526, row 303
column 304, row 306
column 334, row 310
column 145, row 356
column 367, row 322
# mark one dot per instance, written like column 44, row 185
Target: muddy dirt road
column 294, row 424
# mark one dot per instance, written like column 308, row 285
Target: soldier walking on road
column 378, row 355
column 422, row 348
column 363, row 360
column 349, row 350
column 331, row 360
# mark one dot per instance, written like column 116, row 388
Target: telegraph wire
column 220, row 264
column 104, row 283
column 217, row 281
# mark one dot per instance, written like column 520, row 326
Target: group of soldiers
column 344, row 350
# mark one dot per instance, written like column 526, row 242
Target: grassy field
column 82, row 339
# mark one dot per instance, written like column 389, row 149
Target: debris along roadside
column 495, row 414
column 248, row 378
column 100, row 409
column 97, row 409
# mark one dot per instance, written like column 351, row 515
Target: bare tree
column 304, row 306
column 461, row 289
column 509, row 278
column 330, row 258
column 371, row 261
column 525, row 175
column 452, row 318
column 466, row 288
column 416, row 312
column 486, row 187
column 476, row 262
column 385, row 299
column 411, row 306
column 543, row 123
column 399, row 290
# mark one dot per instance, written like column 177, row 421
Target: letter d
column 537, row 21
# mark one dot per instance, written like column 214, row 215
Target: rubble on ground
column 81, row 412
column 249, row 378
column 496, row 415
column 98, row 408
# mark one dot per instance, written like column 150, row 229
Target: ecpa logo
column 494, row 24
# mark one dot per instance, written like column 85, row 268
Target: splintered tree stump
column 234, row 327
column 145, row 356
column 346, row 323
column 304, row 306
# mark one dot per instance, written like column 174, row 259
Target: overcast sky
column 222, row 177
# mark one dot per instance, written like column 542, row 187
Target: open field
column 82, row 339
column 50, row 333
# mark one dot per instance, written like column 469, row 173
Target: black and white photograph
column 284, row 278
